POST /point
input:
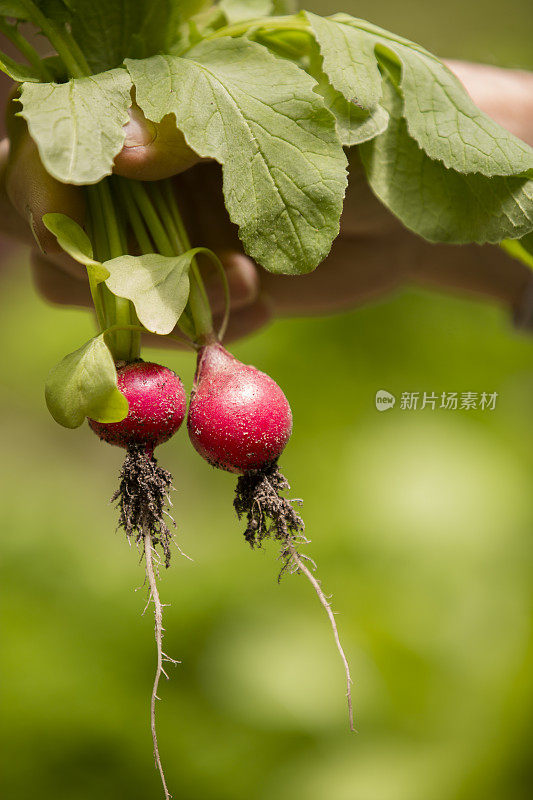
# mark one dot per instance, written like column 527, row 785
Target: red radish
column 239, row 419
column 157, row 406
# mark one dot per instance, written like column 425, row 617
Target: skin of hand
column 373, row 255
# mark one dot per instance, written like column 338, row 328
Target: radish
column 240, row 420
column 157, row 406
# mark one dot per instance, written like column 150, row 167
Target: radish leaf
column 284, row 167
column 84, row 384
column 73, row 240
column 109, row 32
column 348, row 60
column 158, row 286
column 18, row 72
column 240, row 10
column 354, row 124
column 440, row 115
column 77, row 125
column 440, row 204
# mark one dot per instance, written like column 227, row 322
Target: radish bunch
column 240, row 421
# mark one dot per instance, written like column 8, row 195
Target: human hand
column 373, row 254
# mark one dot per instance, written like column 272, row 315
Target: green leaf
column 242, row 10
column 440, row 204
column 348, row 60
column 440, row 115
column 84, row 384
column 158, row 286
column 521, row 249
column 78, row 126
column 73, row 240
column 109, row 32
column 18, row 9
column 354, row 124
column 283, row 164
column 17, row 72
column 13, row 8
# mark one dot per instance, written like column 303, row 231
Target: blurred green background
column 421, row 524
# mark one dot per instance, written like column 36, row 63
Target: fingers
column 33, row 192
column 481, row 271
column 506, row 95
column 248, row 319
column 243, row 282
column 58, row 286
column 11, row 223
column 356, row 272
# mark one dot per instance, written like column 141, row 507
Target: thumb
column 153, row 151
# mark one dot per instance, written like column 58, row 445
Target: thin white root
column 158, row 616
column 298, row 561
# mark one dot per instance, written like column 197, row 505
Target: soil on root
column 271, row 515
column 268, row 513
column 141, row 497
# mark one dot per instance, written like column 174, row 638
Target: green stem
column 290, row 23
column 93, row 284
column 134, row 217
column 12, row 33
column 198, row 304
column 110, row 242
column 124, row 345
column 129, row 194
column 101, row 250
column 151, row 218
column 75, row 64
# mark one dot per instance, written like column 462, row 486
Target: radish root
column 299, row 566
column 150, row 557
column 141, row 497
column 269, row 514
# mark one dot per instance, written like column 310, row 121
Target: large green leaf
column 74, row 241
column 84, row 384
column 284, row 167
column 440, row 115
column 78, row 125
column 158, row 286
column 348, row 60
column 440, row 204
column 354, row 124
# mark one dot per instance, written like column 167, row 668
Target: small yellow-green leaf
column 18, row 72
column 158, row 286
column 84, row 384
column 521, row 249
column 73, row 240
